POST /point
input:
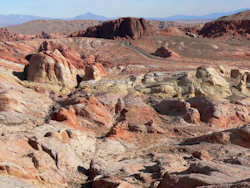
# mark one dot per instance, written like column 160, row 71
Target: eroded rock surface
column 128, row 118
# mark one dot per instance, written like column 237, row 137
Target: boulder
column 179, row 108
column 164, row 53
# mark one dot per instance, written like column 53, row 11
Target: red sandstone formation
column 127, row 28
column 68, row 52
column 236, row 26
column 220, row 28
column 52, row 67
column 56, row 63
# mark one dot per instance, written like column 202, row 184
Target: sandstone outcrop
column 127, row 28
column 222, row 28
column 206, row 81
column 218, row 113
column 63, row 66
column 68, row 52
column 51, row 67
column 88, row 108
column 209, row 81
column 179, row 108
column 236, row 26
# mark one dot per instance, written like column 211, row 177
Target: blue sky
column 111, row 8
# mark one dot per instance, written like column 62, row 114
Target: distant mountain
column 89, row 16
column 212, row 16
column 52, row 26
column 14, row 19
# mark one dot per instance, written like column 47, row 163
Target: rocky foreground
column 68, row 120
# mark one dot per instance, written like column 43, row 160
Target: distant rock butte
column 123, row 28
